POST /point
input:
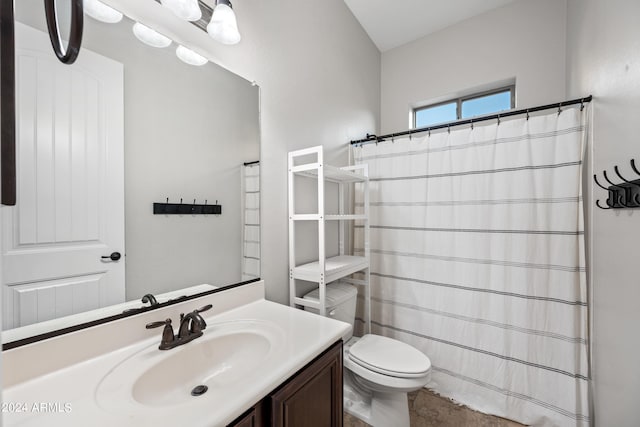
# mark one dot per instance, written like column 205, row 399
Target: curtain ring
column 527, row 114
column 559, row 108
column 410, row 136
column 582, row 104
column 471, row 124
column 429, row 132
column 498, row 120
column 448, row 128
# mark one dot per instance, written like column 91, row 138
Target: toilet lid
column 389, row 357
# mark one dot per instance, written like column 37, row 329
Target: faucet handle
column 158, row 324
column 168, row 337
column 199, row 324
column 205, row 308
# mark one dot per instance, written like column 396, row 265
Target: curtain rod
column 375, row 138
column 252, row 163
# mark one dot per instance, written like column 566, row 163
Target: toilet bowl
column 379, row 371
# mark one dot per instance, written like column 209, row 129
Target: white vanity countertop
column 68, row 397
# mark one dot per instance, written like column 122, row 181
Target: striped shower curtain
column 478, row 260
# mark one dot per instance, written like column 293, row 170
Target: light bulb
column 185, row 9
column 223, row 26
column 100, row 11
column 150, row 37
column 190, row 57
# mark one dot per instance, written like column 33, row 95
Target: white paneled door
column 69, row 218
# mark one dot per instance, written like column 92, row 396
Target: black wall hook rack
column 625, row 194
column 166, row 208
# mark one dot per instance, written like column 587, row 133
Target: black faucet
column 191, row 327
column 149, row 298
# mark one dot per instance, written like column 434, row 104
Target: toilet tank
column 341, row 303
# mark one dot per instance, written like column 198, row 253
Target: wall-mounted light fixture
column 100, row 11
column 149, row 36
column 190, row 57
column 223, row 26
column 185, row 9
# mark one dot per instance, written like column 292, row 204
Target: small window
column 433, row 114
column 465, row 107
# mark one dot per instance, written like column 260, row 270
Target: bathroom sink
column 226, row 357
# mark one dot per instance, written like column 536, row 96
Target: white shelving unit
column 327, row 270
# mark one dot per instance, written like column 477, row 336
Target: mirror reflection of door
column 70, row 164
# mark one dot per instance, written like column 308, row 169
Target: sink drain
column 199, row 390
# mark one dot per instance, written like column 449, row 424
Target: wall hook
column 633, row 166
column 595, row 178
column 598, row 205
column 186, row 208
column 636, row 197
column 621, row 195
column 622, row 198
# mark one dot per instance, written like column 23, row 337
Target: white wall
column 603, row 58
column 524, row 40
column 319, row 75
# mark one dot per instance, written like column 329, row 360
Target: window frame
column 461, row 99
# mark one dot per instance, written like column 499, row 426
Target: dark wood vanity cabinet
column 310, row 398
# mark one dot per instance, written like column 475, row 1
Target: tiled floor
column 430, row 410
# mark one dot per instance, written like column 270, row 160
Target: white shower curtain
column 477, row 259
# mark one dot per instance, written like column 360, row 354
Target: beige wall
column 524, row 40
column 603, row 58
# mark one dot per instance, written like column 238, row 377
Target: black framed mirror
column 63, row 16
column 7, row 105
column 174, row 257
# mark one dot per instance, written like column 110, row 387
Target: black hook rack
column 166, row 208
column 620, row 195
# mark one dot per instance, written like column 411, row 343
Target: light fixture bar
column 207, row 12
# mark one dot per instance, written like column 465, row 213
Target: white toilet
column 380, row 371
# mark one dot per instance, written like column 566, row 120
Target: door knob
column 115, row 256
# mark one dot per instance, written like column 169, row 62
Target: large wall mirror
column 98, row 143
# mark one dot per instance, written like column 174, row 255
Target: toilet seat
column 390, row 357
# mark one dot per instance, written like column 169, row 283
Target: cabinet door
column 252, row 418
column 313, row 397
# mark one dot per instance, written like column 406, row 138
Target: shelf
column 307, row 303
column 331, row 173
column 305, row 217
column 335, row 268
column 316, row 217
column 344, row 217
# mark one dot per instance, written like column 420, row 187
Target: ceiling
column 391, row 23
